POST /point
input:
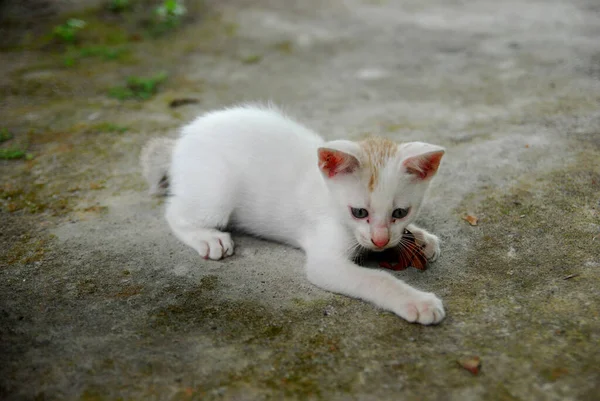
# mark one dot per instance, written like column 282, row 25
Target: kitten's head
column 378, row 185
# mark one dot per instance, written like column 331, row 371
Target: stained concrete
column 98, row 300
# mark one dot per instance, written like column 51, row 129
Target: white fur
column 254, row 169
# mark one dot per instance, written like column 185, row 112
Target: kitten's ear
column 422, row 159
column 336, row 158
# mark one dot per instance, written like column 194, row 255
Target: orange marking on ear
column 333, row 162
column 424, row 167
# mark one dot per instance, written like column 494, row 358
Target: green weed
column 14, row 153
column 106, row 53
column 168, row 16
column 67, row 32
column 138, row 88
column 118, row 6
column 5, row 135
column 110, row 127
column 170, row 9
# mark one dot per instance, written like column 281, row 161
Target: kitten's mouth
column 374, row 248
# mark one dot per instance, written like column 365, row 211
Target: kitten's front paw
column 423, row 307
column 430, row 244
column 216, row 246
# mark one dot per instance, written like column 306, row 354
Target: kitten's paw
column 430, row 244
column 424, row 308
column 216, row 246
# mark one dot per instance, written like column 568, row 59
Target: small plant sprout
column 67, row 32
column 5, row 135
column 170, row 10
column 110, row 127
column 138, row 87
column 75, row 54
column 11, row 154
column 119, row 5
column 167, row 16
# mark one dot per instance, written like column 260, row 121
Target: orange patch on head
column 372, row 182
column 377, row 152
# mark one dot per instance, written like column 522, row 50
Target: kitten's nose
column 380, row 242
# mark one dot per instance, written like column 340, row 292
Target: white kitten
column 254, row 169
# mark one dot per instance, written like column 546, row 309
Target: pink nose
column 380, row 242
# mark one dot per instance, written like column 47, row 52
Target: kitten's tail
column 156, row 160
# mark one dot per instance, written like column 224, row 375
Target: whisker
column 411, row 249
column 353, row 250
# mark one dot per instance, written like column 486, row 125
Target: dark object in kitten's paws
column 406, row 254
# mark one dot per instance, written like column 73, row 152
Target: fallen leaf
column 472, row 220
column 527, row 145
column 470, row 363
column 401, row 257
column 95, row 209
column 129, row 291
column 557, row 373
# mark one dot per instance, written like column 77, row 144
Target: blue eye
column 359, row 213
column 400, row 213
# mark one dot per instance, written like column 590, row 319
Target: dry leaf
column 558, row 373
column 527, row 145
column 400, row 258
column 95, row 209
column 470, row 363
column 472, row 220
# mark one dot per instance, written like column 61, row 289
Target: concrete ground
column 98, row 300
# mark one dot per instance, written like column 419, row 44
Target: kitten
column 254, row 169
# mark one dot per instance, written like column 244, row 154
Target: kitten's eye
column 359, row 213
column 400, row 213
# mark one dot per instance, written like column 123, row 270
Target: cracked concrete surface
column 98, row 300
